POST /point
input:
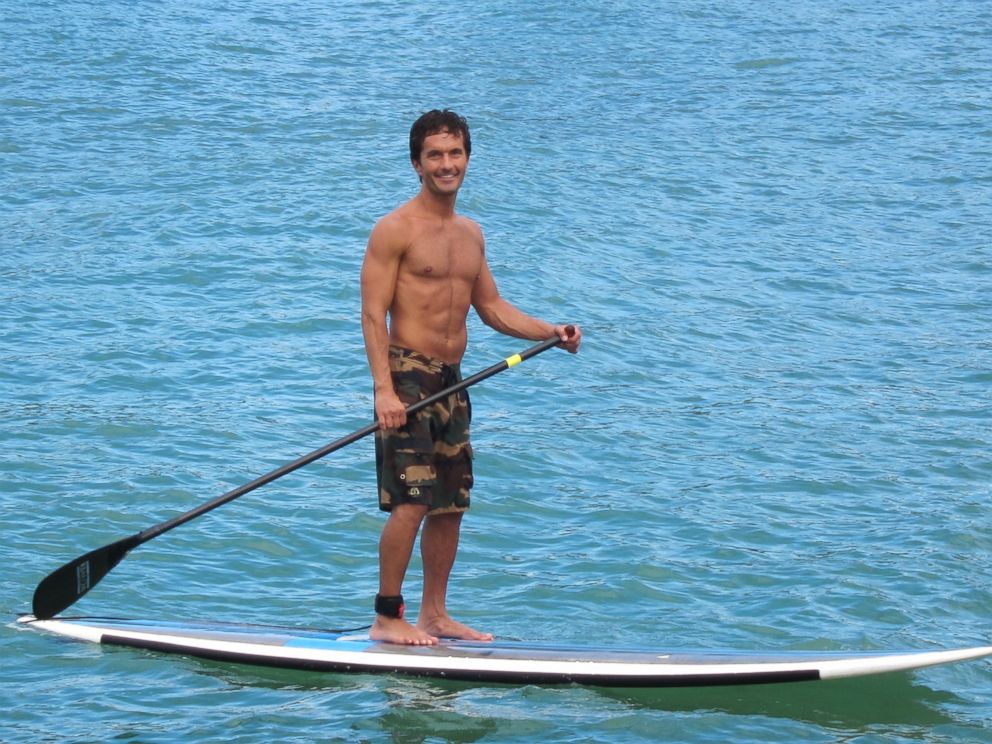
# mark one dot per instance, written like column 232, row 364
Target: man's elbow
column 492, row 318
column 372, row 316
column 486, row 313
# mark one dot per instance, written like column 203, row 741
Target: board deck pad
column 512, row 662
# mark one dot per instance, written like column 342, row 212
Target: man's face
column 443, row 162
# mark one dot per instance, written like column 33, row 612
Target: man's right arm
column 378, row 282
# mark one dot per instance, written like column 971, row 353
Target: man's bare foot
column 397, row 630
column 445, row 627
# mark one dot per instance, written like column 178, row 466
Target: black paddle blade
column 65, row 585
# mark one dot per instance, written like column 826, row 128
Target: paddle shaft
column 64, row 586
column 317, row 454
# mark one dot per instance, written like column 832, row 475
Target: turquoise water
column 771, row 219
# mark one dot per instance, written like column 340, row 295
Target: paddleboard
column 510, row 662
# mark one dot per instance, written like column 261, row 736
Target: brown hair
column 434, row 122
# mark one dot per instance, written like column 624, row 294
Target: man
column 424, row 267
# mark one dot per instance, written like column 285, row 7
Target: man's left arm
column 504, row 317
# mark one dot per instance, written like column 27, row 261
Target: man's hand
column 389, row 410
column 569, row 342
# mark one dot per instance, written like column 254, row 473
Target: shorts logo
column 414, row 491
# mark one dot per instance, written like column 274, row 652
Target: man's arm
column 502, row 316
column 378, row 281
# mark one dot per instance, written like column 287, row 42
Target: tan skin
column 424, row 267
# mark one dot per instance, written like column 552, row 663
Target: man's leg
column 395, row 548
column 438, row 546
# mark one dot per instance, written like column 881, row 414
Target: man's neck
column 435, row 204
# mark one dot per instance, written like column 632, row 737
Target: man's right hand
column 389, row 410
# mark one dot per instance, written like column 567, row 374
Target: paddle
column 64, row 586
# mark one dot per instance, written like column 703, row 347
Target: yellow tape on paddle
column 513, row 361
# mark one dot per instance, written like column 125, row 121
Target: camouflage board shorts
column 429, row 460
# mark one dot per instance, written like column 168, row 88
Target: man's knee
column 408, row 513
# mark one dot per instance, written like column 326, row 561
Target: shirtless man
column 424, row 267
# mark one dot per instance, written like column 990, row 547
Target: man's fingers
column 392, row 420
column 570, row 337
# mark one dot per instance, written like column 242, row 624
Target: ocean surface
column 773, row 222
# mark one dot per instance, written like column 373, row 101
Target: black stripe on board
column 462, row 675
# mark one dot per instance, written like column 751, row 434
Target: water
column 772, row 221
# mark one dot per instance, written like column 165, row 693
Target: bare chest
column 443, row 255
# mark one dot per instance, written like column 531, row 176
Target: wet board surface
column 511, row 662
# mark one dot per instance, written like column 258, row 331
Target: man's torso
column 434, row 283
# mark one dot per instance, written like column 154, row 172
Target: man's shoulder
column 399, row 216
column 393, row 227
column 468, row 222
column 470, row 226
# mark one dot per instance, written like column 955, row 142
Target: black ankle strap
column 389, row 606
